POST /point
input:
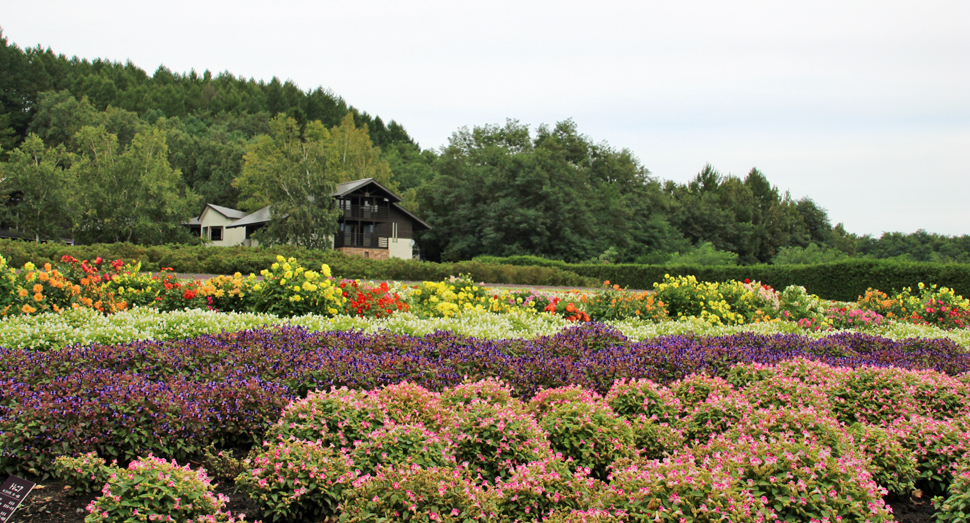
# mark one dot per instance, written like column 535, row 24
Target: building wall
column 400, row 248
column 376, row 254
column 230, row 237
column 403, row 224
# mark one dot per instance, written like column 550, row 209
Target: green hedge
column 198, row 259
column 843, row 281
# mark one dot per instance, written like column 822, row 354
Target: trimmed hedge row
column 199, row 259
column 844, row 281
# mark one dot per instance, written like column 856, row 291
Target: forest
column 102, row 151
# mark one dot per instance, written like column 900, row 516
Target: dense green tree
column 295, row 174
column 37, row 175
column 810, row 255
column 127, row 193
column 499, row 191
column 356, row 156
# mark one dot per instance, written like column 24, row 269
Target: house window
column 215, row 234
column 394, row 232
column 205, row 232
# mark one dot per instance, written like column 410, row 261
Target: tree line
column 100, row 151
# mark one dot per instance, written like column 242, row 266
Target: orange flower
column 56, row 308
column 47, row 267
column 38, row 287
column 27, row 309
column 606, row 283
column 38, row 297
column 85, row 282
column 43, row 276
column 22, row 293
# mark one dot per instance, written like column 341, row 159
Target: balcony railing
column 366, row 212
column 361, row 240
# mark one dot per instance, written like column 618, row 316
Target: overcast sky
column 864, row 106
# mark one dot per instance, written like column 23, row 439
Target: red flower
column 189, row 294
column 98, row 260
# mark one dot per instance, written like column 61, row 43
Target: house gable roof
column 417, row 221
column 232, row 214
column 261, row 216
column 343, row 189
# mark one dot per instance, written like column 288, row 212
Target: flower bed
column 734, row 449
column 175, row 397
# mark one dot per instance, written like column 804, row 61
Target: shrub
column 955, row 507
column 614, row 304
column 697, row 388
column 409, row 403
column 590, row 433
column 415, row 493
column 153, row 489
column 936, row 445
column 633, row 398
column 395, row 444
column 85, row 474
column 800, row 479
column 288, row 289
column 537, row 489
column 296, row 479
column 493, row 440
column 700, row 421
column 338, row 417
column 546, row 400
column 370, row 301
column 489, row 390
column 891, row 464
column 680, row 487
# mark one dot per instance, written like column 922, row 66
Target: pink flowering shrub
column 85, row 474
column 548, row 399
column 800, row 480
column 879, row 395
column 489, row 390
column 805, row 424
column 153, row 489
column 633, row 398
column 851, row 318
column 713, row 416
column 338, row 417
column 937, row 444
column 418, row 494
column 595, row 515
column 493, row 440
column 681, row 486
column 396, row 444
column 699, row 387
column 297, row 479
column 537, row 489
column 589, row 434
column 892, row 465
column 408, row 403
column 781, row 391
column 955, row 507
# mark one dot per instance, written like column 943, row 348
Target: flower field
column 451, row 401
